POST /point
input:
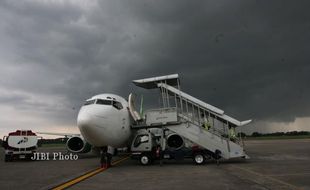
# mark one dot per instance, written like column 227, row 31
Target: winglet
column 245, row 122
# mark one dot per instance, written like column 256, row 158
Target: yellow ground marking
column 268, row 177
column 85, row 176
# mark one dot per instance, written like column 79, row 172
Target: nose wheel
column 105, row 158
column 103, row 161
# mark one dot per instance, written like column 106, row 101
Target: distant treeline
column 53, row 141
column 276, row 134
column 48, row 141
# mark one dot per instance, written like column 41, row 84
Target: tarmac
column 274, row 164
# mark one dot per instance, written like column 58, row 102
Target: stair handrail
column 220, row 133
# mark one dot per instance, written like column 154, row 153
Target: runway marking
column 86, row 176
column 268, row 177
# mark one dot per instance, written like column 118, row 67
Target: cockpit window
column 89, row 102
column 117, row 105
column 114, row 103
column 104, row 102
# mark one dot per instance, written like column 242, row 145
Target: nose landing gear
column 106, row 154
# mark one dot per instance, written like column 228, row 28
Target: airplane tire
column 7, row 158
column 29, row 156
column 145, row 159
column 199, row 158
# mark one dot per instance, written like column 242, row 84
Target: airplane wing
column 60, row 134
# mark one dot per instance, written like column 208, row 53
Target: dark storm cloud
column 249, row 58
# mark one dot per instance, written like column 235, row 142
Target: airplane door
column 134, row 114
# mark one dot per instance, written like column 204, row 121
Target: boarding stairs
column 185, row 115
column 211, row 139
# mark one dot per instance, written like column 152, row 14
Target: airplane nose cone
column 83, row 120
column 86, row 122
column 101, row 126
column 90, row 128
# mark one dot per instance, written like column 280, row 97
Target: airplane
column 104, row 123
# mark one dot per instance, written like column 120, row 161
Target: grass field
column 54, row 145
column 278, row 137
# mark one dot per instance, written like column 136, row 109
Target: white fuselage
column 104, row 120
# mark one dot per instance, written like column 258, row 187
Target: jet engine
column 78, row 145
column 175, row 141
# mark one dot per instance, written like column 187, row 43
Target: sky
column 249, row 58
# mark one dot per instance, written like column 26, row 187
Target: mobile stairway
column 187, row 116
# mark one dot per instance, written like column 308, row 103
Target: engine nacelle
column 175, row 141
column 78, row 145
